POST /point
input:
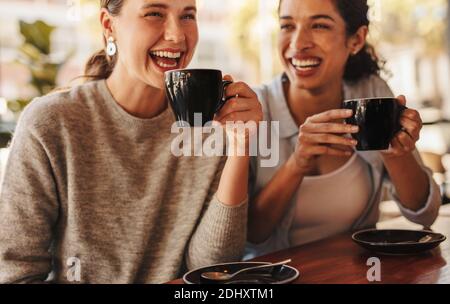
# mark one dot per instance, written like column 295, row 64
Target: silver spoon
column 423, row 239
column 223, row 276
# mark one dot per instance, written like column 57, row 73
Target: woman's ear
column 358, row 40
column 106, row 22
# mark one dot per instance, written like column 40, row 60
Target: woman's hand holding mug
column 323, row 134
column 240, row 115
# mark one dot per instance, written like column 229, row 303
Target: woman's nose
column 302, row 39
column 174, row 31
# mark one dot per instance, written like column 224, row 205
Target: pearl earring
column 111, row 48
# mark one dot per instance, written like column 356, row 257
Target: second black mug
column 195, row 95
column 378, row 120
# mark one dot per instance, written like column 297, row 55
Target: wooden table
column 340, row 260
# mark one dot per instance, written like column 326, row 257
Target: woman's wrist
column 293, row 167
column 245, row 160
column 394, row 160
column 233, row 189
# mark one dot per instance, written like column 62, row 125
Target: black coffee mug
column 378, row 120
column 195, row 92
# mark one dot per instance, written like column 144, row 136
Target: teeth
column 164, row 65
column 166, row 54
column 305, row 63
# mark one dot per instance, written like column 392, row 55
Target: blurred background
column 45, row 43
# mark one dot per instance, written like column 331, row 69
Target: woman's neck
column 134, row 96
column 304, row 103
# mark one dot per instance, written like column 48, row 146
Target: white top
column 322, row 209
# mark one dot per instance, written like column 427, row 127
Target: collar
column 279, row 109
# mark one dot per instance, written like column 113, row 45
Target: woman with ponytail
column 92, row 192
column 322, row 186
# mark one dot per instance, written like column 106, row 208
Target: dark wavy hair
column 365, row 62
column 100, row 65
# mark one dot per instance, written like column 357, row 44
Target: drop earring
column 111, row 48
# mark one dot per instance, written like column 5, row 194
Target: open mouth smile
column 305, row 65
column 166, row 60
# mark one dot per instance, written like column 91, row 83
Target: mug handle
column 225, row 84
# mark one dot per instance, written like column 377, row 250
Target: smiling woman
column 142, row 31
column 91, row 176
column 323, row 186
column 361, row 64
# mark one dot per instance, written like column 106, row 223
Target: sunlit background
column 45, row 43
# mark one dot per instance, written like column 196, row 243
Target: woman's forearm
column 272, row 202
column 410, row 180
column 233, row 186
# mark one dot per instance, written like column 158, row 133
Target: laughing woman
column 92, row 193
column 322, row 186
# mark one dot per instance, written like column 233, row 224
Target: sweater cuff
column 228, row 206
column 227, row 222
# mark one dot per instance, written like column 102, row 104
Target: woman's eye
column 154, row 14
column 286, row 27
column 320, row 26
column 188, row 17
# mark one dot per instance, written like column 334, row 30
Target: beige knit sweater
column 93, row 193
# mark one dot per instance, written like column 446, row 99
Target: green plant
column 35, row 54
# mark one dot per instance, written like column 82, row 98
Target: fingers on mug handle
column 402, row 102
column 228, row 78
column 224, row 99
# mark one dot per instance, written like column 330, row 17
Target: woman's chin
column 305, row 84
